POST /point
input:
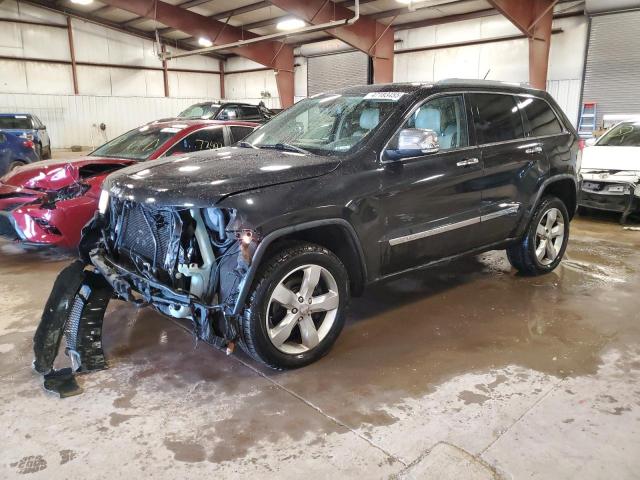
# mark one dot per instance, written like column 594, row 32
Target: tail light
column 581, row 144
column 29, row 144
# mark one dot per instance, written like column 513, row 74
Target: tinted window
column 496, row 117
column 239, row 132
column 542, row 120
column 3, row 137
column 206, row 139
column 250, row 113
column 445, row 116
column 17, row 122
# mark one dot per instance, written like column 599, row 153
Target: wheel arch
column 563, row 186
column 335, row 234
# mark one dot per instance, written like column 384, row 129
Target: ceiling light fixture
column 205, row 42
column 290, row 24
column 82, row 2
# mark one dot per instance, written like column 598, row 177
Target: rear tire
column 283, row 332
column 542, row 247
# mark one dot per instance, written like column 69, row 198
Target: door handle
column 533, row 150
column 467, row 162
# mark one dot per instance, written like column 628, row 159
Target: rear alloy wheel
column 541, row 248
column 296, row 308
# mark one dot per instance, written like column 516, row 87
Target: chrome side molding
column 509, row 209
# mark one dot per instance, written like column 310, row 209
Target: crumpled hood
column 611, row 159
column 55, row 174
column 203, row 178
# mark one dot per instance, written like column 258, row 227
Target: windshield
column 626, row 134
column 138, row 144
column 326, row 124
column 17, row 122
column 201, row 110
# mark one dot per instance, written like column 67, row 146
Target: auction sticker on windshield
column 393, row 96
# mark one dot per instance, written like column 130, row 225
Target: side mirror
column 413, row 142
column 590, row 142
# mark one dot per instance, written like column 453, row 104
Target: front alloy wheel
column 296, row 307
column 302, row 309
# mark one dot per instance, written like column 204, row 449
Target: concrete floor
column 463, row 372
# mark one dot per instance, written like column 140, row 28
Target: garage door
column 339, row 70
column 613, row 59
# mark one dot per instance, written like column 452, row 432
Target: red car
column 48, row 203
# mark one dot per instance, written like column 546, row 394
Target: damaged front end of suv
column 186, row 262
column 167, row 235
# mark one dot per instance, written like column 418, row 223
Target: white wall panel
column 187, row 84
column 49, row 78
column 249, row 86
column 24, row 11
column 94, row 80
column 13, row 76
column 505, row 61
column 10, row 40
column 45, row 42
column 89, row 41
column 74, row 119
column 128, row 82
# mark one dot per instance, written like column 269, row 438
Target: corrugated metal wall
column 74, row 119
column 612, row 73
column 339, row 70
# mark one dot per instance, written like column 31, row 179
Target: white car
column 611, row 170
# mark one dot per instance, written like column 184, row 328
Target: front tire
column 542, row 247
column 296, row 307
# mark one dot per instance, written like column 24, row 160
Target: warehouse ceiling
column 261, row 17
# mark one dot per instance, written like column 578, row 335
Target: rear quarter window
column 541, row 118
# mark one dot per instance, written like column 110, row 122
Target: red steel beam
column 367, row 35
column 534, row 18
column 269, row 53
column 72, row 55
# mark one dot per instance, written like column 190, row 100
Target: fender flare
column 245, row 284
column 541, row 190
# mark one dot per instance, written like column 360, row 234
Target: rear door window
column 541, row 119
column 249, row 113
column 239, row 132
column 205, row 139
column 496, row 117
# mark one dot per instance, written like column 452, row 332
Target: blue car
column 15, row 152
column 29, row 127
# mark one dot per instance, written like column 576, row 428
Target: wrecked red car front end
column 48, row 203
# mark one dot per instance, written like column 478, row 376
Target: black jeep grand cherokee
column 264, row 243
